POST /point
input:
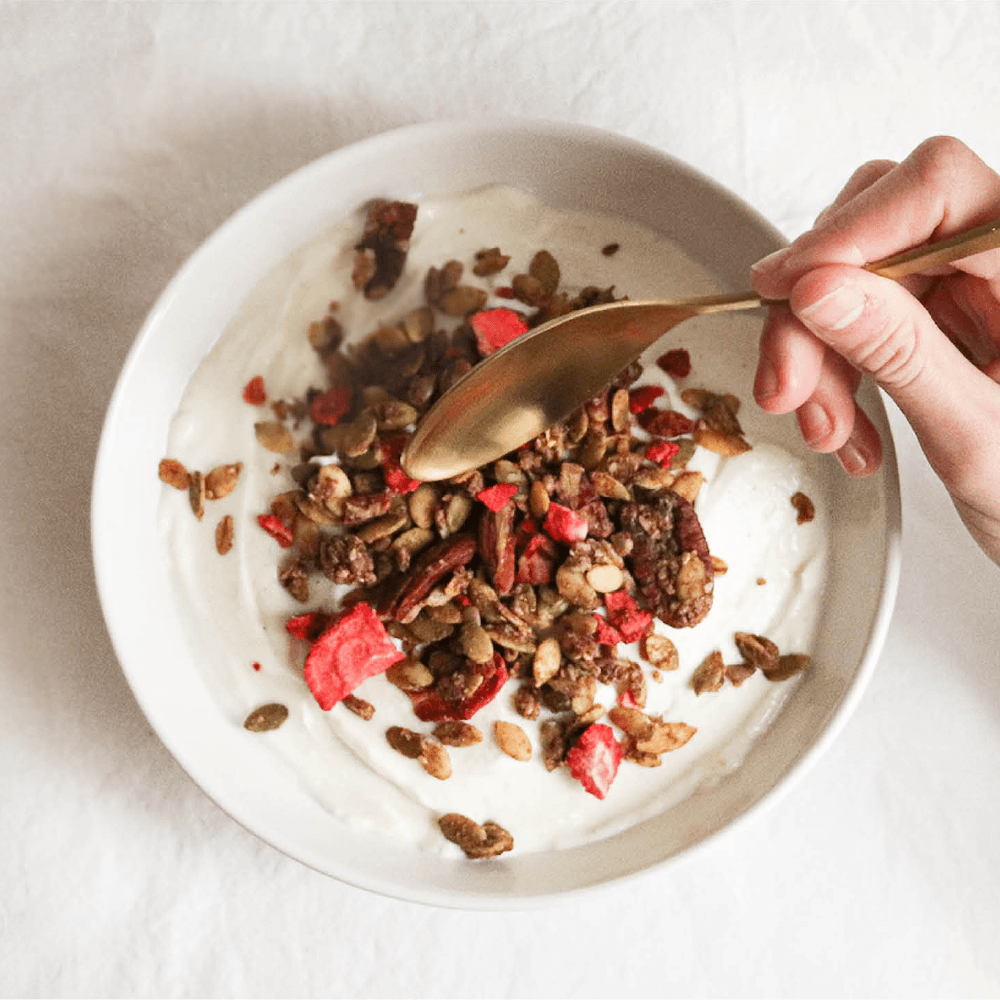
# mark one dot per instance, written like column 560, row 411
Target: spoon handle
column 965, row 244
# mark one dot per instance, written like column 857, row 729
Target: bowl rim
column 103, row 513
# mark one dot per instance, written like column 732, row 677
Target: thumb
column 881, row 329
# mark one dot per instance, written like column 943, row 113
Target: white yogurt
column 237, row 609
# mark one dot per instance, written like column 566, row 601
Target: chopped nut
column 486, row 841
column 274, row 436
column 512, row 740
column 455, row 733
column 405, row 741
column 710, row 675
column 546, row 661
column 409, row 675
column 434, row 760
column 660, row 651
column 266, row 718
column 196, row 494
column 789, row 665
column 174, row 474
column 360, row 707
column 723, row 444
column 221, row 481
column 804, row 506
column 224, row 535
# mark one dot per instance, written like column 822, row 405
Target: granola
column 543, row 584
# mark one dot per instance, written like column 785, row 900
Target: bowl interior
column 566, row 166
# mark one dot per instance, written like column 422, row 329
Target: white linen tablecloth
column 128, row 132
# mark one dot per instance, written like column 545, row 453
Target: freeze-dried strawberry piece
column 391, row 446
column 496, row 327
column 498, row 496
column 537, row 563
column 353, row 648
column 663, row 452
column 309, row 626
column 253, row 391
column 625, row 615
column 643, row 398
column 594, row 759
column 277, row 529
column 328, row 407
column 665, row 423
column 627, row 700
column 606, row 634
column 431, row 706
column 676, row 363
column 565, row 525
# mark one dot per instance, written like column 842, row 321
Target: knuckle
column 938, row 160
column 887, row 346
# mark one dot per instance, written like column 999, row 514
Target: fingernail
column 771, row 262
column 836, row 309
column 814, row 422
column 852, row 459
column 765, row 386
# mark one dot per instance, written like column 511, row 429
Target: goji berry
column 676, row 363
column 665, row 423
column 253, row 391
column 328, row 407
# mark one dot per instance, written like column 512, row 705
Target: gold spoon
column 547, row 373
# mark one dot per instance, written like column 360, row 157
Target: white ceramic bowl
column 566, row 166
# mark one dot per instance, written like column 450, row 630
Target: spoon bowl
column 544, row 375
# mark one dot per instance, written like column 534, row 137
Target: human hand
column 931, row 341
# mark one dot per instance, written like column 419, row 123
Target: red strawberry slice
column 537, row 563
column 662, row 452
column 497, row 497
column 396, row 479
column 277, row 529
column 565, row 525
column 594, row 759
column 352, row 649
column 496, row 327
column 606, row 635
column 624, row 614
column 309, row 626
